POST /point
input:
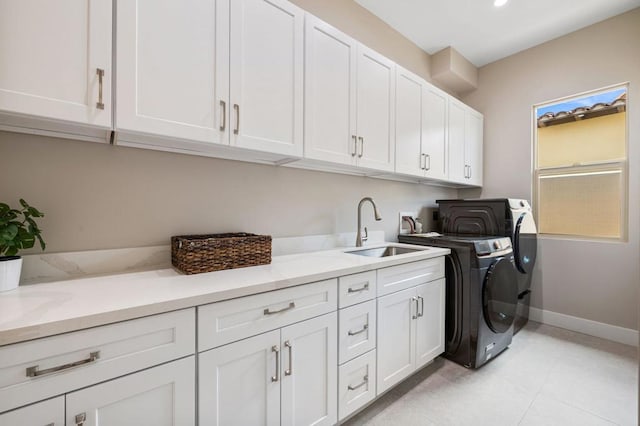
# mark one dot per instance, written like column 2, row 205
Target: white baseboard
column 615, row 333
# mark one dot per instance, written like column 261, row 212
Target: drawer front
column 38, row 369
column 225, row 322
column 356, row 384
column 356, row 288
column 49, row 413
column 400, row 277
column 357, row 330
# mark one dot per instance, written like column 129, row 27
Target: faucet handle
column 365, row 237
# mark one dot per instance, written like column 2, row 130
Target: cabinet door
column 310, row 372
column 239, row 384
column 396, row 343
column 376, row 110
column 159, row 396
column 50, row 54
column 409, row 117
column 434, row 133
column 330, row 93
column 173, row 68
column 474, row 126
column 457, row 165
column 49, row 412
column 267, row 41
column 430, row 321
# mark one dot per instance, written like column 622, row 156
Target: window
column 580, row 179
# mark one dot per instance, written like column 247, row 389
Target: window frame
column 621, row 164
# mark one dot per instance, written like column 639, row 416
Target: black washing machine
column 481, row 295
column 504, row 217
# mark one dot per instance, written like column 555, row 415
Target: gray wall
column 587, row 279
column 99, row 196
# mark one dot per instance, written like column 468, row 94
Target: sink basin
column 384, row 251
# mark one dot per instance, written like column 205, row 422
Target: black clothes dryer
column 481, row 295
column 504, row 217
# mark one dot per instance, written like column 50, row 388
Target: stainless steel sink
column 384, row 251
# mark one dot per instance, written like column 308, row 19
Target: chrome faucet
column 359, row 237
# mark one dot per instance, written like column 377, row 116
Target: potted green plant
column 18, row 231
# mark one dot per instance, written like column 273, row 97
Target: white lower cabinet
column 356, row 384
column 159, row 396
column 410, row 331
column 49, row 413
column 286, row 376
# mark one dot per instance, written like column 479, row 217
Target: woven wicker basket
column 194, row 254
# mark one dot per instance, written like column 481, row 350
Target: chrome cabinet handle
column 100, row 73
column 80, row 419
column 427, row 157
column 268, row 311
column 358, row 290
column 365, row 380
column 423, row 161
column 469, row 172
column 236, row 108
column 276, row 349
column 50, row 424
column 362, row 330
column 421, row 313
column 415, row 316
column 355, row 145
column 289, row 371
column 223, row 105
column 361, row 139
column 34, row 372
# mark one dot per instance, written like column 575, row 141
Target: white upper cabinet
column 474, row 127
column 173, row 68
column 409, row 123
column 457, row 165
column 56, row 60
column 350, row 100
column 465, row 144
column 330, row 93
column 267, row 42
column 376, row 110
column 421, row 127
column 434, row 133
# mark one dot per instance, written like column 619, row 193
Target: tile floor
column 548, row 376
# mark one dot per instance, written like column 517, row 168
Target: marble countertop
column 41, row 310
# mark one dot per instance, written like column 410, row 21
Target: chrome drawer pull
column 358, row 290
column 270, row 312
column 276, row 349
column 289, row 371
column 100, row 74
column 421, row 313
column 223, row 107
column 80, row 419
column 50, row 424
column 364, row 382
column 415, row 316
column 362, row 330
column 34, row 372
column 361, row 139
column 355, row 145
column 236, row 108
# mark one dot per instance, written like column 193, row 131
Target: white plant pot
column 10, row 269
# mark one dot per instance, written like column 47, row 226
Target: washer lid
column 500, row 295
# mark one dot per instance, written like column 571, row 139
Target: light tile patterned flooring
column 548, row 376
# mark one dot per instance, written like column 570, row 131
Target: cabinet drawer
column 408, row 275
column 356, row 384
column 356, row 288
column 50, row 413
column 42, row 368
column 225, row 322
column 357, row 330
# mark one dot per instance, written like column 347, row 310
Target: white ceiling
column 483, row 33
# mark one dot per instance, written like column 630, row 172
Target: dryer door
column 525, row 242
column 500, row 295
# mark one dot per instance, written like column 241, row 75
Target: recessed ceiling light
column 499, row 3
